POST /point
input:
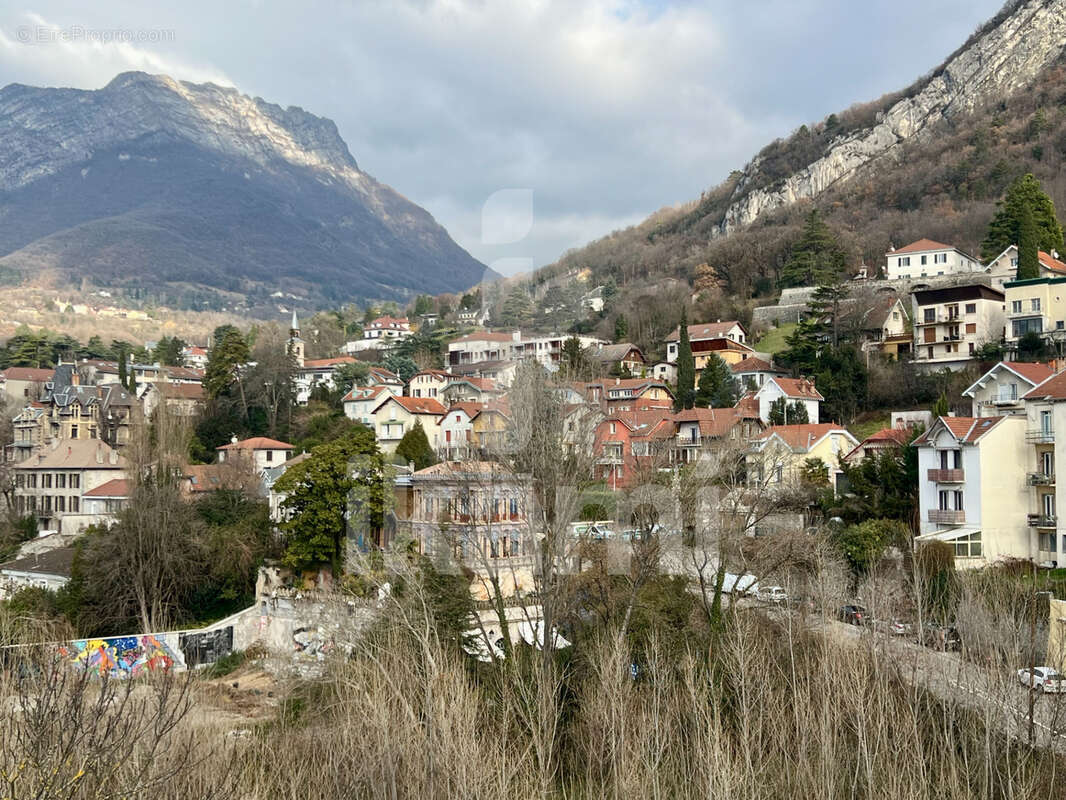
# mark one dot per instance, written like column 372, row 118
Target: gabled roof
column 656, row 423
column 435, row 373
column 797, row 388
column 416, row 405
column 58, row 561
column 385, row 321
column 607, row 353
column 470, row 409
column 1054, row 388
column 74, row 454
column 706, row 330
column 116, row 489
column 920, row 246
column 753, row 364
column 383, row 375
column 327, row 363
column 804, row 437
column 1033, row 373
column 887, row 436
column 965, row 429
column 713, row 422
column 363, row 393
column 257, row 443
column 184, row 391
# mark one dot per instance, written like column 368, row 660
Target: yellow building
column 783, row 452
column 1037, row 305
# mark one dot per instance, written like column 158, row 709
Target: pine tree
column 940, row 408
column 716, row 387
column 816, row 258
column 1028, row 247
column 123, row 378
column 621, row 328
column 414, row 448
column 1005, row 227
column 686, row 368
column 825, row 304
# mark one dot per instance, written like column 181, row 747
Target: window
column 74, row 501
column 75, row 481
column 958, row 499
column 1014, row 262
column 1020, row 327
column 46, row 480
column 1048, row 503
column 971, row 308
column 904, row 261
column 1035, row 303
column 269, row 455
column 1016, row 306
column 73, row 431
column 1045, row 422
column 944, row 500
column 923, row 260
column 953, row 311
column 514, row 507
column 968, row 546
column 1047, row 463
column 61, row 503
column 929, row 315
column 20, row 481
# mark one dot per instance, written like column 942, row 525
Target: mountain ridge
column 117, row 181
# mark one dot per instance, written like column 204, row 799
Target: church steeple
column 296, row 344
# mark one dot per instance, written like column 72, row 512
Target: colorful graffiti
column 121, row 656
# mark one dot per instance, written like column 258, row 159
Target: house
column 927, row 259
column 195, row 357
column 548, row 350
column 379, row 376
column 886, row 328
column 25, row 383
column 51, row 483
column 728, row 340
column 886, row 440
column 29, row 431
column 47, row 569
column 665, row 371
column 311, row 373
column 275, row 498
column 952, row 322
column 1004, row 268
column 630, row 445
column 973, row 493
column 380, row 334
column 457, row 432
column 106, row 412
column 395, row 416
column 751, row 373
column 782, row 453
column 593, row 300
column 107, row 499
column 475, row 512
column 701, row 433
column 1000, row 390
column 480, row 347
column 181, row 399
column 428, row 383
column 794, row 390
column 501, row 373
column 493, row 428
column 259, row 452
column 629, row 394
column 360, row 402
column 470, row 390
column 1036, row 306
column 618, row 358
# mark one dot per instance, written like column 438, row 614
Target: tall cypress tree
column 686, row 368
column 1005, row 227
column 1028, row 245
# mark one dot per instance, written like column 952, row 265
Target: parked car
column 894, row 627
column 941, row 637
column 772, row 594
column 852, row 614
column 1043, row 679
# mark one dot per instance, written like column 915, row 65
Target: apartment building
column 258, row 453
column 928, row 259
column 1045, row 419
column 972, row 488
column 1035, row 306
column 950, row 323
column 727, row 340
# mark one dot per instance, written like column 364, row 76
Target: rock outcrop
column 1007, row 56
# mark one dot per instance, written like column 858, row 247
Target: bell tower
column 296, row 344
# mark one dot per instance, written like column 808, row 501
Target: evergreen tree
column 414, row 448
column 716, row 387
column 621, row 328
column 686, row 368
column 229, row 352
column 816, row 258
column 517, row 308
column 825, row 305
column 123, row 375
column 783, row 412
column 940, row 408
column 1028, row 246
column 1005, row 227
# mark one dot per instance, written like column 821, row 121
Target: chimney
column 112, row 457
column 617, row 381
column 99, row 454
column 233, row 438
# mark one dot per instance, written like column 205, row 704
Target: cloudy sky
column 526, row 128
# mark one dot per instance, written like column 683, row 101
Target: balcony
column 1004, row 401
column 1040, row 436
column 1039, row 479
column 1041, row 521
column 610, row 458
column 946, row 517
column 686, row 440
column 940, row 319
column 947, row 475
column 952, row 337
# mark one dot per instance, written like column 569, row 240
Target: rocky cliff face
column 152, row 180
column 1006, row 57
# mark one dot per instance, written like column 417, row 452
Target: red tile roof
column 320, row 363
column 803, row 437
column 753, row 364
column 386, row 321
column 116, row 487
column 184, row 391
column 27, row 374
column 257, row 443
column 1034, row 372
column 920, row 245
column 798, row 388
column 713, row 422
column 899, row 435
column 420, row 405
column 964, row 429
column 1051, row 263
column 705, row 330
column 1054, row 388
column 362, row 393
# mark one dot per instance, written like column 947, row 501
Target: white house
column 702, row 334
column 751, row 373
column 1004, row 268
column 952, row 322
column 360, row 402
column 380, row 334
column 395, row 416
column 1000, row 390
column 261, row 451
column 972, row 488
column 429, row 383
column 795, row 390
column 456, row 431
column 928, row 259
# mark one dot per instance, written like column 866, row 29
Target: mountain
column 193, row 193
column 930, row 160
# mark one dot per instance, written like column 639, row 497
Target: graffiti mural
column 121, row 656
column 206, row 647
